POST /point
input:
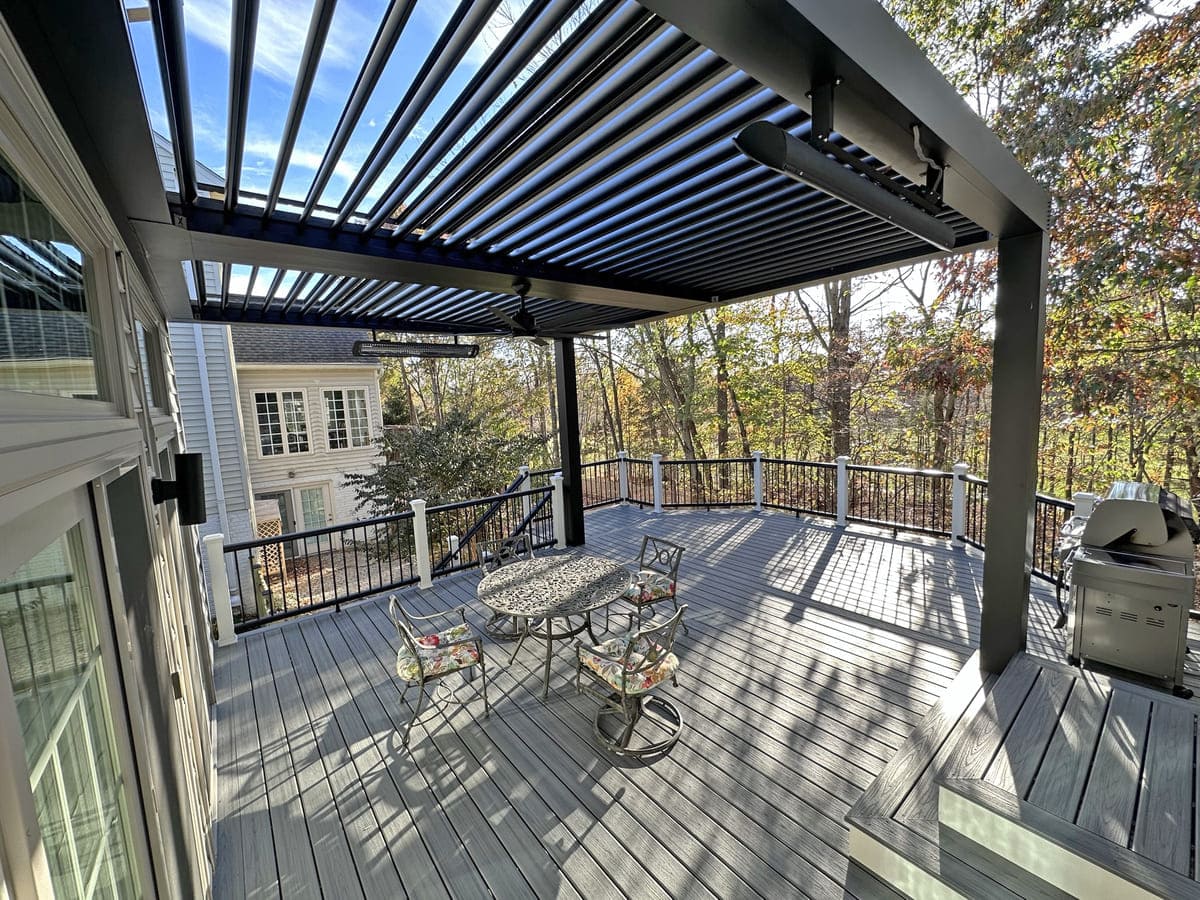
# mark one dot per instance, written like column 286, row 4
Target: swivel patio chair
column 653, row 577
column 427, row 656
column 622, row 672
column 492, row 555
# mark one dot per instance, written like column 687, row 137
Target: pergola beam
column 886, row 86
column 247, row 239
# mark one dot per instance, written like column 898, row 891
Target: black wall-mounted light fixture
column 187, row 490
column 775, row 148
column 416, row 348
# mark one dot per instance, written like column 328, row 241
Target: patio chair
column 426, row 656
column 622, row 672
column 653, row 576
column 492, row 555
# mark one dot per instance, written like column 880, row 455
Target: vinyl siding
column 226, row 422
column 319, row 465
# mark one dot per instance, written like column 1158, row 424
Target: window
column 147, row 349
column 312, row 507
column 346, row 419
column 279, row 433
column 59, row 682
column 47, row 337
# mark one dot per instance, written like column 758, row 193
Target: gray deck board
column 813, row 653
column 1059, row 783
column 1164, row 804
column 1108, row 799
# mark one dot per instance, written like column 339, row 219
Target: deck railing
column 278, row 577
column 283, row 576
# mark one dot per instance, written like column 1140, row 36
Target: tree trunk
column 840, row 365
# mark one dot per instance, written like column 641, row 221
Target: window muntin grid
column 346, row 418
column 282, row 422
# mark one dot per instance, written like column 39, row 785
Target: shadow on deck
column 813, row 653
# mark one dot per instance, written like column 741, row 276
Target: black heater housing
column 187, row 490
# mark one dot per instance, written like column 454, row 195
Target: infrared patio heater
column 827, row 167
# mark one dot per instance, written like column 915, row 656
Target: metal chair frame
column 661, row 557
column 493, row 555
column 659, row 639
column 409, row 631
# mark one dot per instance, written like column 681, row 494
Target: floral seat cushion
column 628, row 678
column 649, row 587
column 436, row 657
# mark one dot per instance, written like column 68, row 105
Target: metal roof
column 600, row 166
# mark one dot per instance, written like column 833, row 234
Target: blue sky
column 280, row 36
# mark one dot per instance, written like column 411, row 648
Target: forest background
column 1100, row 100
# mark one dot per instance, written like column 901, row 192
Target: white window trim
column 278, row 393
column 325, row 415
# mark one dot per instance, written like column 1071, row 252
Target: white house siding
column 320, row 465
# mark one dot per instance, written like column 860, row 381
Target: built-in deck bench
column 1047, row 781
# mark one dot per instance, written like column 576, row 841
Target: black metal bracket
column 821, row 127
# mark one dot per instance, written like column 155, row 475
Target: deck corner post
column 958, row 502
column 454, row 545
column 758, row 479
column 843, row 490
column 623, row 475
column 526, row 501
column 656, row 470
column 558, row 511
column 421, row 544
column 1085, row 502
column 218, row 579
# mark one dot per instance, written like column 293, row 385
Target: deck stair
column 1046, row 781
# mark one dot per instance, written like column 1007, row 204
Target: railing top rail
column 381, row 520
column 974, row 479
column 899, row 470
column 818, row 464
column 317, row 532
column 703, row 462
column 1055, row 501
column 495, row 498
column 598, row 462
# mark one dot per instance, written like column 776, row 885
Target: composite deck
column 813, row 652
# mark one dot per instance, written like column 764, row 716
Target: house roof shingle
column 291, row 345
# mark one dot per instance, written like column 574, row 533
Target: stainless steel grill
column 1130, row 567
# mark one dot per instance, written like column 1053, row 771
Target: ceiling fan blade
column 570, row 334
column 508, row 320
column 540, row 341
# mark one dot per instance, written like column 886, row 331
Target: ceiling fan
column 522, row 324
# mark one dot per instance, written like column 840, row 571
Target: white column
column 656, row 468
column 558, row 511
column 218, row 580
column 623, row 473
column 758, row 483
column 843, row 490
column 1084, row 503
column 454, row 549
column 421, row 544
column 526, row 502
column 958, row 503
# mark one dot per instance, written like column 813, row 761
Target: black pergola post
column 568, row 438
column 1012, row 469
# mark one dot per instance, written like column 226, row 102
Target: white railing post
column 558, row 510
column 758, row 481
column 526, row 501
column 843, row 490
column 623, row 474
column 958, row 502
column 1085, row 502
column 218, row 580
column 454, row 549
column 656, row 468
column 421, row 543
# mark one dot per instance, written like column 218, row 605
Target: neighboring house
column 291, row 411
column 312, row 415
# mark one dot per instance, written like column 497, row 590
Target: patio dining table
column 559, row 586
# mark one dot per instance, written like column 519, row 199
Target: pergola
column 609, row 180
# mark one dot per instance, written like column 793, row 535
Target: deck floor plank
column 813, row 652
column 1163, row 831
column 1108, row 799
column 1059, row 783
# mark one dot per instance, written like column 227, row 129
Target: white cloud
column 282, row 29
column 303, row 157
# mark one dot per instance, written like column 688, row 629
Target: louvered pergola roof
column 590, row 152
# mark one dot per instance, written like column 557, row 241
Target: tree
column 456, row 458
